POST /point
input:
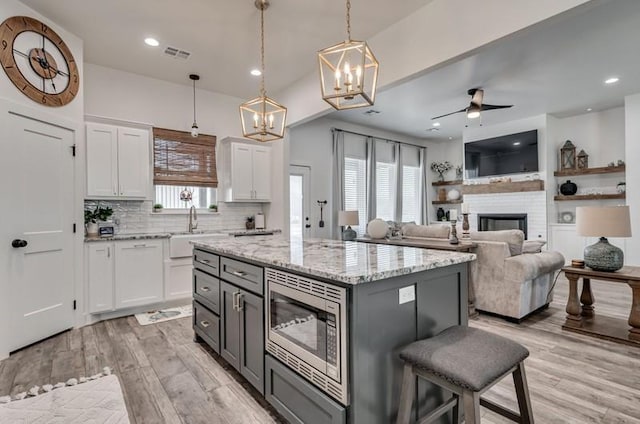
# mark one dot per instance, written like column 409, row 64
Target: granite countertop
column 120, row 237
column 346, row 262
column 142, row 236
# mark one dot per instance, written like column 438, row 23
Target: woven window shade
column 179, row 159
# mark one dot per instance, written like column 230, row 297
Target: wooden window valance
column 179, row 159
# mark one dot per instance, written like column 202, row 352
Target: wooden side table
column 581, row 316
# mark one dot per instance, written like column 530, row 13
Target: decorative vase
column 441, row 176
column 440, row 214
column 621, row 187
column 568, row 188
column 92, row 229
column 603, row 256
column 453, row 194
column 442, row 194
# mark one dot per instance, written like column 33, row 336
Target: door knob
column 19, row 243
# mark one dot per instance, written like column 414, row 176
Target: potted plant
column 91, row 218
column 157, row 207
column 441, row 168
column 250, row 224
column 213, row 208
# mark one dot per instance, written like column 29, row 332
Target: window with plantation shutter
column 182, row 160
column 355, row 190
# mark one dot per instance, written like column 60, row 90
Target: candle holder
column 465, row 226
column 453, row 239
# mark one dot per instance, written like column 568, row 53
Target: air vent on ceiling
column 372, row 112
column 432, row 129
column 177, row 53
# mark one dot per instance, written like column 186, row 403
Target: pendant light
column 194, row 127
column 263, row 119
column 348, row 72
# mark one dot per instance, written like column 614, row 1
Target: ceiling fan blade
column 477, row 96
column 492, row 107
column 447, row 114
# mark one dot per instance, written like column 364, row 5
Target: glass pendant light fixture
column 194, row 127
column 263, row 119
column 348, row 72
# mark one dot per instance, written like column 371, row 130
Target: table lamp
column 348, row 218
column 603, row 222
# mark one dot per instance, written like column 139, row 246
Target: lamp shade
column 348, row 218
column 609, row 221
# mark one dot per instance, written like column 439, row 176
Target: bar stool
column 467, row 362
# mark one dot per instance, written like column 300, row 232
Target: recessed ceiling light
column 256, row 72
column 436, row 124
column 611, row 80
column 151, row 42
column 516, row 143
column 450, row 138
column 589, row 109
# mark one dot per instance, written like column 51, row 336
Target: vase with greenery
column 213, row 208
column 441, row 168
column 157, row 207
column 91, row 218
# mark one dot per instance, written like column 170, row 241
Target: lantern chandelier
column 263, row 119
column 348, row 72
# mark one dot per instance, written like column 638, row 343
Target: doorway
column 37, row 175
column 299, row 201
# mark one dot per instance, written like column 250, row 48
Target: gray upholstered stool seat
column 466, row 361
column 464, row 356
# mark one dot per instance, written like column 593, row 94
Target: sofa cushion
column 513, row 238
column 533, row 246
column 426, row 231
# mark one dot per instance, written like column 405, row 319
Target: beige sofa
column 505, row 280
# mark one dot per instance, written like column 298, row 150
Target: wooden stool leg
column 406, row 395
column 471, row 402
column 522, row 392
column 457, row 414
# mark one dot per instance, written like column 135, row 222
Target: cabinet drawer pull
column 205, row 289
column 139, row 245
column 239, row 273
column 205, row 261
column 205, row 324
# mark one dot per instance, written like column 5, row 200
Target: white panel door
column 100, row 273
column 102, row 157
column 38, row 182
column 133, row 162
column 138, row 273
column 261, row 173
column 178, row 279
column 241, row 171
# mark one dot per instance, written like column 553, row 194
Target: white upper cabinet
column 117, row 162
column 244, row 171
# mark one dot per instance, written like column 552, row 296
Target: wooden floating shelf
column 589, row 171
column 511, row 187
column 446, row 183
column 447, row 202
column 591, row 196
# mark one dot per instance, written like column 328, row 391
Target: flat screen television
column 508, row 154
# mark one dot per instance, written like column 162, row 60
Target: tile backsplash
column 132, row 216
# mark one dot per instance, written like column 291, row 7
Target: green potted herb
column 157, row 207
column 213, row 208
column 91, row 218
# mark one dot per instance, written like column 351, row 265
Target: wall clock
column 38, row 62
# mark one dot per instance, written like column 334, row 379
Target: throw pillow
column 426, row 231
column 533, row 246
column 513, row 238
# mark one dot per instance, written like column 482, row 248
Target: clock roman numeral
column 24, row 88
column 10, row 29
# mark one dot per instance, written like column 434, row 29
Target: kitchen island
column 316, row 325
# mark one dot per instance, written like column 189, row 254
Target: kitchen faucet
column 193, row 219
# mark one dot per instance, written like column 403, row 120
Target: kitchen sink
column 179, row 246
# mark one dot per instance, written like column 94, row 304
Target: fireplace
column 503, row 221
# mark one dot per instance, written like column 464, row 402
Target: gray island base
column 391, row 296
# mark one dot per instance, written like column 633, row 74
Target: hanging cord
column 194, row 101
column 263, row 92
column 349, row 20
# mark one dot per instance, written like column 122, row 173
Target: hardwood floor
column 167, row 378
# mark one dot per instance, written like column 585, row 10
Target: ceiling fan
column 476, row 106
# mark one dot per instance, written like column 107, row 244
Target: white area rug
column 154, row 317
column 98, row 401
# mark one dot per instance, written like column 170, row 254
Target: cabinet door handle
column 108, row 252
column 115, row 191
column 205, row 324
column 235, row 301
column 240, row 274
column 240, row 302
column 139, row 245
column 205, row 289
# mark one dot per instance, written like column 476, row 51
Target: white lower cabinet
column 100, row 273
column 125, row 274
column 178, row 278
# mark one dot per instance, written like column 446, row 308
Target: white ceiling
column 556, row 67
column 222, row 35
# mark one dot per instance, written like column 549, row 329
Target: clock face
column 38, row 61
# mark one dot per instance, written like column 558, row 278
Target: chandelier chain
column 262, row 90
column 349, row 20
column 194, row 101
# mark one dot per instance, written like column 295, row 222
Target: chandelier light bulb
column 194, row 130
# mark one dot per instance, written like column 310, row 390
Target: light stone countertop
column 120, row 237
column 347, row 262
column 142, row 236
